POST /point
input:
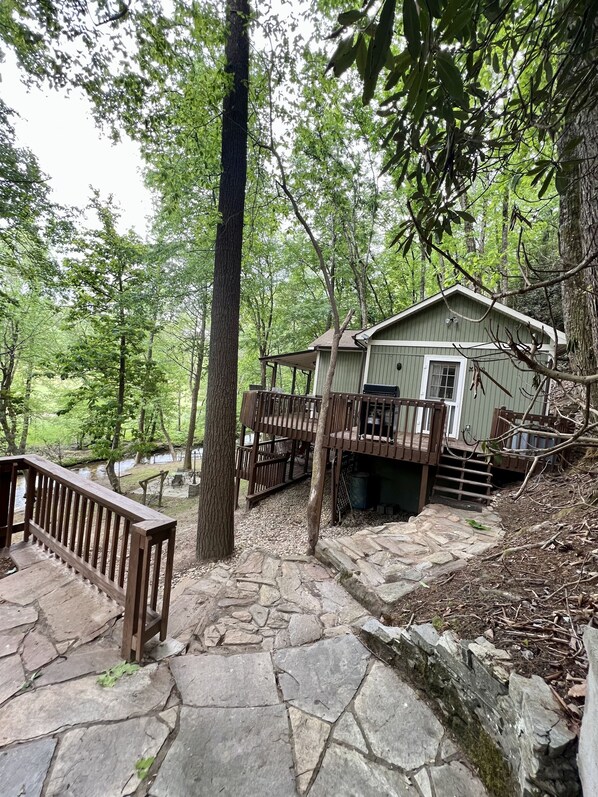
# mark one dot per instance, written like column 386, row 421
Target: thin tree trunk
column 120, row 404
column 504, row 245
column 215, row 529
column 26, row 410
column 167, row 437
column 579, row 239
column 142, row 412
column 318, row 471
column 195, row 388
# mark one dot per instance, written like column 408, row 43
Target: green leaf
column 378, row 49
column 343, row 57
column 143, row 765
column 450, row 77
column 546, row 183
column 350, row 17
column 434, row 8
column 411, row 27
column 400, row 66
column 114, row 674
column 475, row 524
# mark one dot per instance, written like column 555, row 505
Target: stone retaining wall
column 510, row 726
column 588, row 739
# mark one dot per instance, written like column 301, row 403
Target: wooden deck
column 377, row 426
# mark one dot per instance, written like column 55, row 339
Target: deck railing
column 122, row 547
column 376, row 425
column 521, row 436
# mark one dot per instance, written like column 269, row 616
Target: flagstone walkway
column 381, row 564
column 262, row 689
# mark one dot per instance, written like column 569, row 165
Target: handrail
column 122, row 547
column 376, row 425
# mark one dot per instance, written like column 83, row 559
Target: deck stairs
column 463, row 476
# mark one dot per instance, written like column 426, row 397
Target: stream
column 96, row 471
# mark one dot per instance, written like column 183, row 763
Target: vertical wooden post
column 423, row 488
column 294, row 379
column 292, row 459
column 29, row 501
column 252, row 463
column 167, row 583
column 308, row 385
column 336, row 477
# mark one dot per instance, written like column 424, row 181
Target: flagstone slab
column 99, row 761
column 38, row 650
column 229, row 752
column 304, row 628
column 23, row 768
column 16, row 616
column 38, row 580
column 91, row 658
column 9, row 643
column 53, row 708
column 346, row 773
column 310, row 734
column 12, row 677
column 348, row 731
column 25, row 554
column 398, row 725
column 454, row 778
column 322, row 678
column 77, row 611
column 242, row 680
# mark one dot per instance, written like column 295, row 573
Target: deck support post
column 335, row 480
column 308, row 385
column 293, row 381
column 423, row 488
column 238, row 466
column 252, row 461
column 292, row 459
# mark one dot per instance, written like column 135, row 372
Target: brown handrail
column 122, row 547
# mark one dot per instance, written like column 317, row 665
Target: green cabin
column 415, row 397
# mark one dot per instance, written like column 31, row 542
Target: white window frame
column 460, row 388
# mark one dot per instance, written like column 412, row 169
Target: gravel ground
column 276, row 525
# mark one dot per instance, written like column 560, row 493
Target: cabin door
column 443, row 379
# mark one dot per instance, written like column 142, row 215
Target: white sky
column 58, row 128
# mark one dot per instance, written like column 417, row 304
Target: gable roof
column 347, row 340
column 561, row 339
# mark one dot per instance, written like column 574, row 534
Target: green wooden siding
column 430, row 324
column 347, row 375
column 477, row 412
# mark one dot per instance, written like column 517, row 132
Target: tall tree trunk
column 318, row 470
column 26, row 410
column 120, row 404
column 422, row 274
column 167, row 437
column 141, row 439
column 504, row 245
column 215, row 528
column 579, row 240
column 195, row 387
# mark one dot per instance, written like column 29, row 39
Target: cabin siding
column 430, row 324
column 347, row 375
column 477, row 412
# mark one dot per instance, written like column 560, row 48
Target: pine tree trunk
column 215, row 529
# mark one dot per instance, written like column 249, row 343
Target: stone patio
column 379, row 565
column 263, row 688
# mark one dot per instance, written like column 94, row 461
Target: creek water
column 96, row 471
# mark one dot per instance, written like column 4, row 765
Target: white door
column 443, row 379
